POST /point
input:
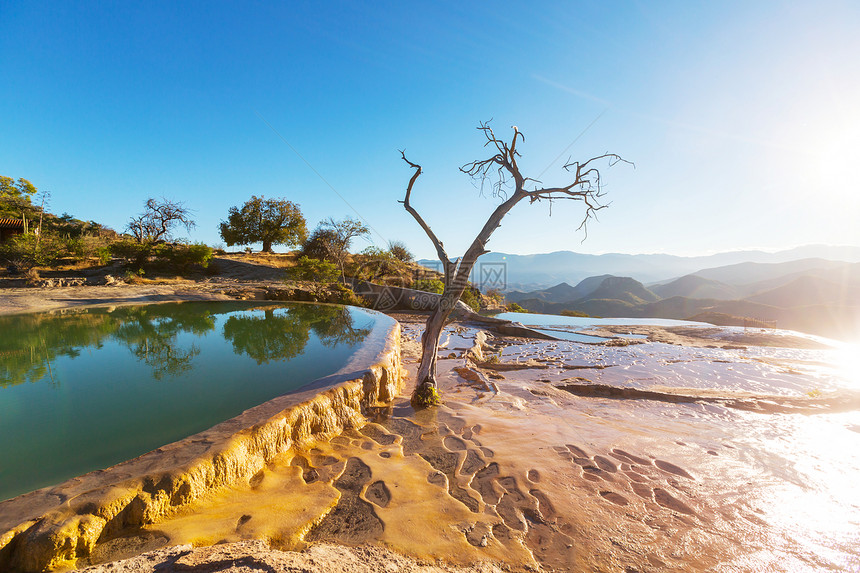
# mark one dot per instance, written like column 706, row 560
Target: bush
column 429, row 285
column 514, row 307
column 131, row 252
column 104, row 255
column 472, row 297
column 346, row 295
column 400, row 251
column 179, row 257
column 182, row 256
column 574, row 313
column 82, row 246
column 321, row 245
column 308, row 269
column 23, row 252
column 379, row 263
column 495, row 295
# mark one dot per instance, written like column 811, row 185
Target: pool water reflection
column 87, row 389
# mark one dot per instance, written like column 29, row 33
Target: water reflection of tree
column 284, row 335
column 30, row 343
column 151, row 333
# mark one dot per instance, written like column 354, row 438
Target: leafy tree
column 15, row 197
column 20, row 188
column 267, row 221
column 158, row 220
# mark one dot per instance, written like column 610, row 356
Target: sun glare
column 848, row 361
column 835, row 164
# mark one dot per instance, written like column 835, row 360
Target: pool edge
column 53, row 527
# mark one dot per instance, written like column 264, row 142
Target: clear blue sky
column 743, row 118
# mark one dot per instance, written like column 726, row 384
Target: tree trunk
column 426, row 393
column 267, row 246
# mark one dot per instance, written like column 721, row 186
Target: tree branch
column 440, row 248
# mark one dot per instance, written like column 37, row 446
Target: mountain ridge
column 541, row 270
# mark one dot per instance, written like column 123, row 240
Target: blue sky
column 742, row 118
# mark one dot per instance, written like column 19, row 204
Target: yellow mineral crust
column 55, row 527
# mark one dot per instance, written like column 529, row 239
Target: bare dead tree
column 158, row 219
column 503, row 174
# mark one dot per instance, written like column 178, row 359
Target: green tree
column 15, row 197
column 20, row 188
column 267, row 221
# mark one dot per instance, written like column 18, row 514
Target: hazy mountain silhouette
column 822, row 299
column 539, row 271
column 561, row 292
column 695, row 286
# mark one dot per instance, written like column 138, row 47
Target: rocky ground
column 514, row 472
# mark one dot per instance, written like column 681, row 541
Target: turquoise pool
column 86, row 389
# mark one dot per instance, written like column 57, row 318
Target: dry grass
column 277, row 260
column 136, row 280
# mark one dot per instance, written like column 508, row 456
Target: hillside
column 695, row 286
column 624, row 289
column 823, row 301
column 539, row 271
column 750, row 273
column 806, row 290
column 560, row 293
column 604, row 295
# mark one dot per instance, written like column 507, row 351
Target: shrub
column 379, row 263
column 308, row 269
column 182, row 256
column 400, row 251
column 495, row 295
column 472, row 297
column 514, row 307
column 321, row 245
column 104, row 255
column 179, row 257
column 346, row 295
column 81, row 246
column 578, row 313
column 131, row 252
column 429, row 285
column 76, row 248
column 23, row 252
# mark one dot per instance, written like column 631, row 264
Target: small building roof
column 11, row 224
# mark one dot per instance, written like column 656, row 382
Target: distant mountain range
column 539, row 271
column 811, row 295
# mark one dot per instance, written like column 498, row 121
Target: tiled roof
column 11, row 223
